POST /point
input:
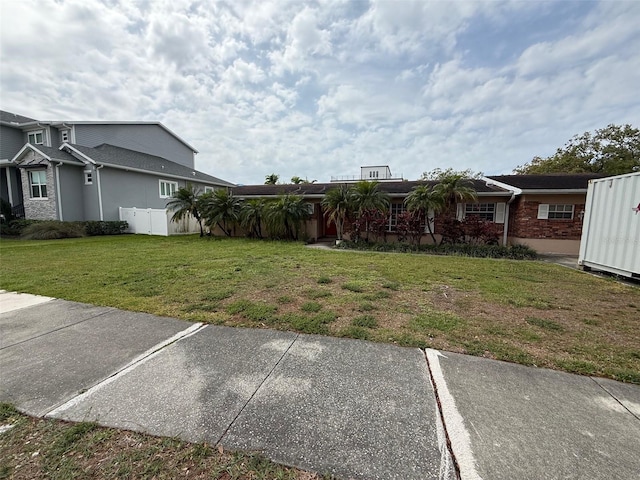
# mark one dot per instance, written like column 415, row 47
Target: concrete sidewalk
column 355, row 409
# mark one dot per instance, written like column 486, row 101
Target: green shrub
column 514, row 252
column 93, row 228
column 15, row 228
column 50, row 230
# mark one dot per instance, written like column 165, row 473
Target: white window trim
column 35, row 133
column 168, row 184
column 88, row 177
column 209, row 189
column 66, row 131
column 464, row 211
column 555, row 205
column 31, row 185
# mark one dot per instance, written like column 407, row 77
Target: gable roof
column 549, row 181
column 125, row 159
column 312, row 190
column 48, row 153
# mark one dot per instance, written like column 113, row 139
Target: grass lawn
column 531, row 313
column 38, row 449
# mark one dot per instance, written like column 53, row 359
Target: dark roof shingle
column 8, row 117
column 122, row 157
column 549, row 181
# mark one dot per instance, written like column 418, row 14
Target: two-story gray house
column 76, row 170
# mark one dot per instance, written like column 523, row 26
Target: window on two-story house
column 36, row 137
column 38, row 183
column 65, row 136
column 167, row 188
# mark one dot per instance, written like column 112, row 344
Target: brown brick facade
column 524, row 222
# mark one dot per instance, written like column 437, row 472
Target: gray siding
column 71, row 184
column 130, row 189
column 11, row 141
column 54, row 137
column 91, row 206
column 151, row 139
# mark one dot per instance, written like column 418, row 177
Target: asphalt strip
column 459, row 438
column 136, row 362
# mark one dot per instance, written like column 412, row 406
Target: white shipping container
column 611, row 228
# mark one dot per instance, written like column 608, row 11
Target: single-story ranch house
column 542, row 211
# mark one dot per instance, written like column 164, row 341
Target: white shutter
column 499, row 218
column 460, row 211
column 543, row 211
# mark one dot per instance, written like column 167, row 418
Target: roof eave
column 546, row 191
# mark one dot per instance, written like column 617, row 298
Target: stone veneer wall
column 524, row 222
column 40, row 208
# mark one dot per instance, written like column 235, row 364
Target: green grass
column 523, row 311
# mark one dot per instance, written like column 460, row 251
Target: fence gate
column 148, row 221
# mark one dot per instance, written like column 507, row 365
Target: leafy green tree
column 187, row 201
column 422, row 200
column 612, row 150
column 439, row 174
column 271, row 179
column 286, row 215
column 297, row 180
column 251, row 216
column 455, row 189
column 336, row 204
column 221, row 208
column 366, row 198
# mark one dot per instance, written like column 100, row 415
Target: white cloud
column 318, row 89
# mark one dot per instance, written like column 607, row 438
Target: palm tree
column 453, row 189
column 222, row 209
column 286, row 214
column 186, row 201
column 296, row 180
column 337, row 203
column 271, row 179
column 366, row 197
column 251, row 214
column 422, row 200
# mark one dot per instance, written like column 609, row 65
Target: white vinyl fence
column 156, row 221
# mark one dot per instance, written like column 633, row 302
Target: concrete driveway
column 355, row 409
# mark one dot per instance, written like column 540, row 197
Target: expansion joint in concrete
column 456, row 466
column 256, row 390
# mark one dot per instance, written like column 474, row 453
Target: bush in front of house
column 14, row 228
column 513, row 252
column 52, row 229
column 93, row 228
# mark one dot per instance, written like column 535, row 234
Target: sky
column 317, row 89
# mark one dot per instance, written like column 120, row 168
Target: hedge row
column 514, row 252
column 50, row 229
